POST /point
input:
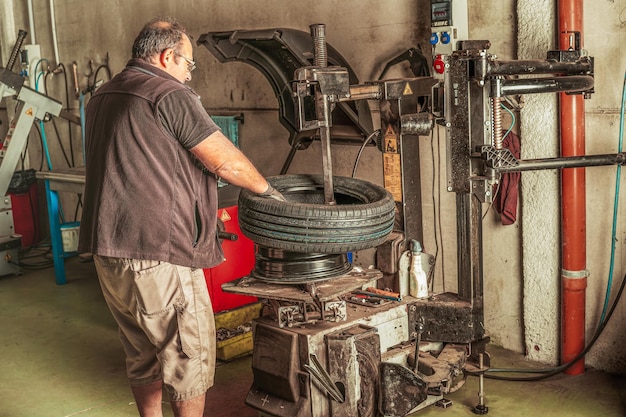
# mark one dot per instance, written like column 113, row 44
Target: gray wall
column 521, row 261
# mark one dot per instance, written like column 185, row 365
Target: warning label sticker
column 392, row 175
column 224, row 216
column 391, row 141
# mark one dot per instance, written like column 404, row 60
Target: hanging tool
column 395, row 297
column 319, row 374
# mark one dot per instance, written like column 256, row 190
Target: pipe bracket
column 582, row 274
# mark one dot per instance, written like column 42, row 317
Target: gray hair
column 156, row 36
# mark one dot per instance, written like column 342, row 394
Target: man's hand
column 271, row 192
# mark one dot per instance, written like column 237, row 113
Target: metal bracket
column 331, row 82
column 337, row 311
column 287, row 315
column 498, row 158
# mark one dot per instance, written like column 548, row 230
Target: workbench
column 70, row 180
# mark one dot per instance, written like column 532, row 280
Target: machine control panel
column 448, row 26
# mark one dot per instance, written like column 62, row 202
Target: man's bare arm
column 222, row 158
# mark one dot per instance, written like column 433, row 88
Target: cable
column 41, row 142
column 371, row 136
column 615, row 205
column 495, row 193
column 68, row 160
column 67, row 102
column 104, row 67
column 512, row 120
column 558, row 369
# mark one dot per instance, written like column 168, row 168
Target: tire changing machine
column 319, row 353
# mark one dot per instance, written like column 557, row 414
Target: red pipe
column 573, row 210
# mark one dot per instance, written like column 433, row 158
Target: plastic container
column 418, row 281
column 69, row 236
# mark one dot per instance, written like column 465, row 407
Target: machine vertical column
column 467, row 108
column 401, row 153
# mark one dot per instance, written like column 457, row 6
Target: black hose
column 546, row 373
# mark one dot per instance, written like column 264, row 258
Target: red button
column 439, row 65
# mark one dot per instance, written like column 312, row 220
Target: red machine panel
column 239, row 262
column 26, row 215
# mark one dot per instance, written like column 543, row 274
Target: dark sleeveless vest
column 145, row 195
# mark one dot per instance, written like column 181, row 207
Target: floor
column 61, row 357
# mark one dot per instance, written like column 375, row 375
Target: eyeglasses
column 191, row 65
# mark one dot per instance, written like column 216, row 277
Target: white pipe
column 7, row 31
column 55, row 43
column 31, row 22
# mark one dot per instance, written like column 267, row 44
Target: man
column 149, row 216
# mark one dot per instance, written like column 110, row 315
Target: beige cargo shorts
column 166, row 323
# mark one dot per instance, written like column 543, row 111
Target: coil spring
column 497, row 122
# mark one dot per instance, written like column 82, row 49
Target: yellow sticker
column 29, row 112
column 407, row 90
column 392, row 175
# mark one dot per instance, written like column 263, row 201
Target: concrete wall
column 522, row 262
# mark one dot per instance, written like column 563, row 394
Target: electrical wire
column 42, row 253
column 44, row 140
column 495, row 193
column 41, row 143
column 512, row 120
column 101, row 67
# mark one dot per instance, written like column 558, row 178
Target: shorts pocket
column 188, row 331
column 157, row 288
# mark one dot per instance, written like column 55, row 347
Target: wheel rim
column 281, row 266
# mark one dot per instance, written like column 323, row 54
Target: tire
column 362, row 217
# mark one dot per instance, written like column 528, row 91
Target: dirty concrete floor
column 61, row 357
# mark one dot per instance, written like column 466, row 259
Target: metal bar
column 572, row 83
column 521, row 67
column 567, row 162
column 364, row 92
column 327, row 165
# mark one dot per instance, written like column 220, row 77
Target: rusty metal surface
column 447, row 318
column 443, row 373
column 353, row 358
column 325, row 291
column 401, row 390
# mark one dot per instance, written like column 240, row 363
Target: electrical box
column 33, row 65
column 448, row 25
